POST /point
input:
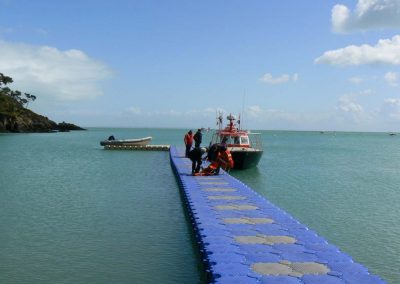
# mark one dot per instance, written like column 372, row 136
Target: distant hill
column 15, row 118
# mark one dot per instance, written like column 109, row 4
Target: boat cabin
column 234, row 137
column 239, row 140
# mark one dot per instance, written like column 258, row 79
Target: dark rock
column 65, row 127
column 16, row 118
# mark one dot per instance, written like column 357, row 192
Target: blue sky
column 295, row 65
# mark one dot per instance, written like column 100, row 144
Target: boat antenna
column 241, row 118
column 219, row 119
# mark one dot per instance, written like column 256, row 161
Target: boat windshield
column 236, row 140
column 228, row 139
column 244, row 140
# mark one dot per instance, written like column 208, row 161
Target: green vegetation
column 7, row 105
column 15, row 117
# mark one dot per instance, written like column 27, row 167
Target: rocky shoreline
column 29, row 121
column 17, row 119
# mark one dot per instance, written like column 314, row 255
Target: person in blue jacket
column 196, row 157
column 198, row 137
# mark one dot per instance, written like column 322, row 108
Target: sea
column 72, row 212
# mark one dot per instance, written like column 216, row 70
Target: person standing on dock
column 198, row 137
column 196, row 157
column 188, row 139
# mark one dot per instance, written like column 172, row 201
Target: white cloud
column 254, row 117
column 253, row 111
column 368, row 14
column 134, row 110
column 386, row 51
column 349, row 105
column 285, row 78
column 349, row 115
column 390, row 109
column 268, row 118
column 350, row 111
column 340, row 17
column 392, row 79
column 205, row 117
column 355, row 80
column 48, row 71
column 392, row 101
column 210, row 110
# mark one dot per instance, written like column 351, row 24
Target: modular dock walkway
column 243, row 238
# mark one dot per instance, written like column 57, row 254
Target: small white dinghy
column 127, row 142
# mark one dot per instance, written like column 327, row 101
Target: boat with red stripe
column 245, row 147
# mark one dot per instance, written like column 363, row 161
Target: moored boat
column 245, row 146
column 127, row 142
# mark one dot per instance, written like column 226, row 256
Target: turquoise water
column 71, row 212
column 343, row 185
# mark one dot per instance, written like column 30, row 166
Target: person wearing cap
column 212, row 152
column 188, row 139
column 198, row 137
column 215, row 148
column 195, row 156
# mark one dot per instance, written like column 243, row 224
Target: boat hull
column 126, row 142
column 245, row 159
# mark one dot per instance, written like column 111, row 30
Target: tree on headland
column 16, row 117
column 22, row 99
column 4, row 80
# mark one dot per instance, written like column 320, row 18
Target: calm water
column 71, row 212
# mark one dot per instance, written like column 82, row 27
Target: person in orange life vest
column 220, row 149
column 196, row 157
column 188, row 139
column 223, row 160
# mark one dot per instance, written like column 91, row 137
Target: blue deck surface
column 244, row 238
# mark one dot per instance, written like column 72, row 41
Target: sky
column 283, row 65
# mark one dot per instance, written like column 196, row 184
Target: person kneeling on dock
column 223, row 160
column 196, row 157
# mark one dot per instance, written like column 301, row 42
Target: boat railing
column 255, row 140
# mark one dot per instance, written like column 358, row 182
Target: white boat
column 127, row 142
